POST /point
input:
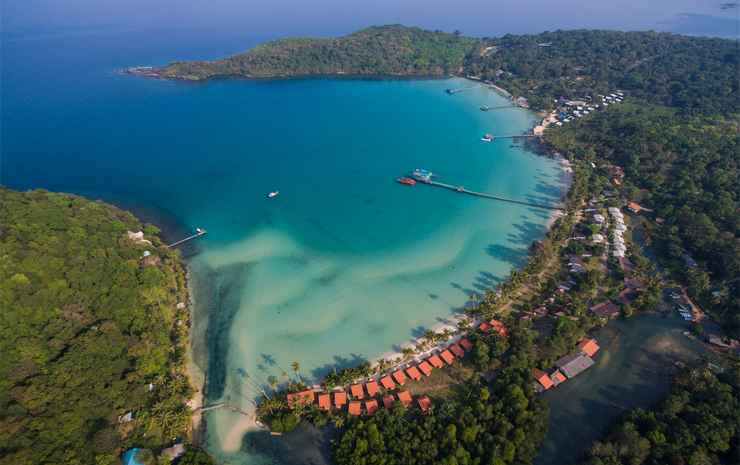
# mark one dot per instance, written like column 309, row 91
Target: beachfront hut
column 634, row 207
column 466, row 344
column 447, row 357
column 399, row 377
column 588, row 346
column 388, row 400
column 387, row 382
column 300, row 398
column 605, row 309
column 556, row 377
column 499, row 327
column 371, row 387
column 435, row 361
column 425, row 368
column 356, row 391
column 424, row 403
column 340, row 398
column 371, row 406
column 404, row 397
column 413, row 373
column 484, row 326
column 324, row 401
column 355, row 407
column 542, row 378
column 457, row 350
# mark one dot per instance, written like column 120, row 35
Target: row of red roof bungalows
column 495, row 325
column 371, row 405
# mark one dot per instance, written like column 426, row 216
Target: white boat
column 273, row 194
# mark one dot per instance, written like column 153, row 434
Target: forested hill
column 90, row 330
column 384, row 50
column 695, row 74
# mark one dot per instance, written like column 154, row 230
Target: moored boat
column 407, row 181
column 273, row 194
column 487, row 137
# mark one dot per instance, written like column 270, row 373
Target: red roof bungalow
column 484, row 326
column 388, row 400
column 435, row 361
column 634, row 207
column 356, row 391
column 413, row 373
column 557, row 377
column 542, row 378
column 499, row 327
column 404, row 397
column 324, row 401
column 424, row 403
column 447, row 357
column 425, row 368
column 588, row 346
column 606, row 309
column 457, row 350
column 387, row 382
column 399, row 377
column 302, row 398
column 371, row 387
column 371, row 406
column 355, row 407
column 340, row 398
column 466, row 344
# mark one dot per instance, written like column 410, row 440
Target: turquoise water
column 345, row 264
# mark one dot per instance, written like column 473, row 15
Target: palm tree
column 273, row 382
column 296, row 369
column 407, row 352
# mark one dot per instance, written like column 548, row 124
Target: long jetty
column 463, row 190
column 500, row 107
column 460, row 89
column 198, row 232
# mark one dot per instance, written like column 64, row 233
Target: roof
column 404, row 397
column 499, row 327
column 635, row 207
column 371, row 406
column 399, row 377
column 324, row 401
column 484, row 326
column 356, row 390
column 340, row 398
column 435, row 361
column 606, row 309
column 355, row 407
column 466, row 344
column 424, row 403
column 557, row 377
column 573, row 364
column 387, row 382
column 542, row 378
column 413, row 373
column 302, row 397
column 388, row 400
column 371, row 387
column 457, row 350
column 447, row 356
column 425, row 368
column 588, row 346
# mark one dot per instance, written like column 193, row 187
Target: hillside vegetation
column 87, row 323
column 384, row 50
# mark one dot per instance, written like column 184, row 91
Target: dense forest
column 698, row 423
column 90, row 331
column 382, row 50
column 695, row 74
column 479, row 422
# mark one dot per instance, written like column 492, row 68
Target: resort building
column 447, row 356
column 388, row 400
column 588, row 346
column 499, row 327
column 543, row 380
column 371, row 406
column 371, row 387
column 300, row 398
column 354, row 408
column 324, row 400
column 356, row 391
column 457, row 350
column 340, row 398
column 424, row 403
column 466, row 344
column 557, row 377
column 404, row 397
column 387, row 382
column 413, row 373
column 435, row 361
column 399, row 377
column 605, row 310
column 425, row 368
column 574, row 364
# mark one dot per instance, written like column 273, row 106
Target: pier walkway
column 462, row 190
column 501, row 107
column 460, row 89
column 198, row 232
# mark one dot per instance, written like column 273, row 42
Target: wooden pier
column 198, row 232
column 460, row 89
column 513, row 136
column 501, row 107
column 463, row 190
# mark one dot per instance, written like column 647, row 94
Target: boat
column 422, row 175
column 485, row 108
column 273, row 194
column 407, row 181
column 487, row 137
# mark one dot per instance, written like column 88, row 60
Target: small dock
column 500, row 107
column 459, row 89
column 198, row 232
column 463, row 190
column 513, row 136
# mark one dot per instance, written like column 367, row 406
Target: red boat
column 407, row 181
